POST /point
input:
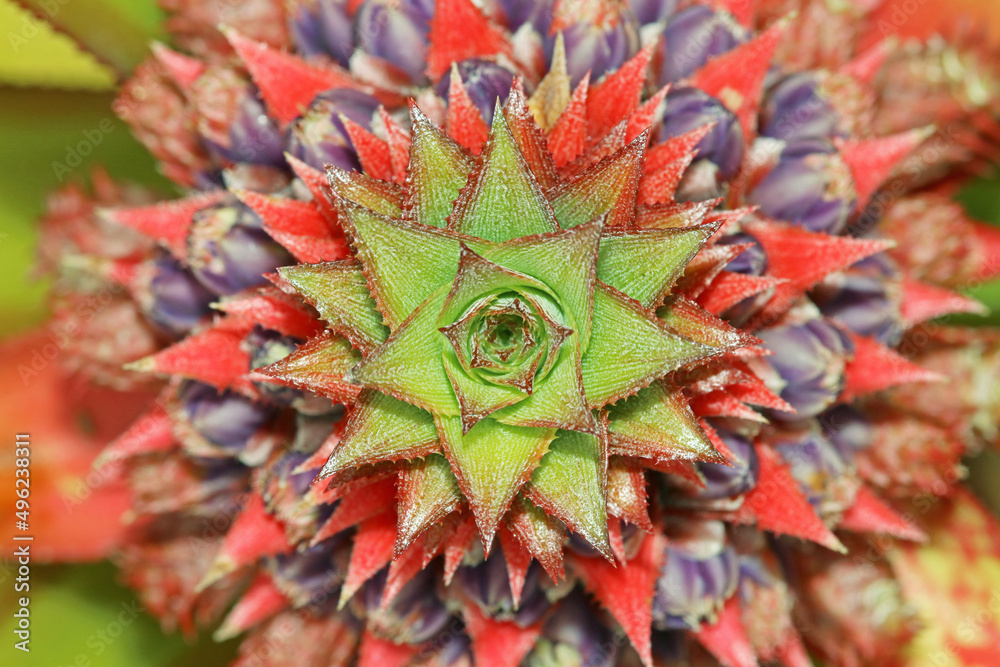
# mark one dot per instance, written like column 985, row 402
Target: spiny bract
column 628, row 294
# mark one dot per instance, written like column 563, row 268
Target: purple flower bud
column 318, row 138
column 228, row 251
column 253, row 136
column 796, row 108
column 174, row 300
column 415, row 615
column 485, row 81
column 454, row 649
column 536, row 12
column 573, row 636
column 810, row 358
column 488, row 585
column 692, row 37
column 722, row 481
column 396, row 31
column 862, row 298
column 323, row 28
column 225, row 419
column 816, row 464
column 700, row 572
column 598, row 47
column 280, row 472
column 651, row 11
column 307, row 576
column 690, row 108
column 810, row 187
column 266, row 347
column 752, row 261
column 848, row 429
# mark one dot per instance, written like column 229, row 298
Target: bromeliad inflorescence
column 536, row 333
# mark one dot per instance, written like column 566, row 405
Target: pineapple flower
column 545, row 333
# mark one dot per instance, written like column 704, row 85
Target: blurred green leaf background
column 51, row 91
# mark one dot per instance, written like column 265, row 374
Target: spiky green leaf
column 439, row 168
column 503, row 200
column 382, row 428
column 340, row 293
column 571, row 484
column 492, row 462
column 645, row 264
column 630, row 348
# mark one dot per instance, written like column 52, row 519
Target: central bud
column 510, row 338
column 505, row 331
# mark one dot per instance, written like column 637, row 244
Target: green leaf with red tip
column 629, row 348
column 382, row 428
column 558, row 401
column 319, row 366
column 645, row 264
column 627, row 492
column 408, row 364
column 565, row 261
column 380, row 196
column 529, row 137
column 427, row 492
column 658, row 424
column 571, row 485
column 542, row 535
column 670, row 216
column 609, row 186
column 492, row 462
column 439, row 169
column 694, row 322
column 404, row 263
column 340, row 293
column 502, row 200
